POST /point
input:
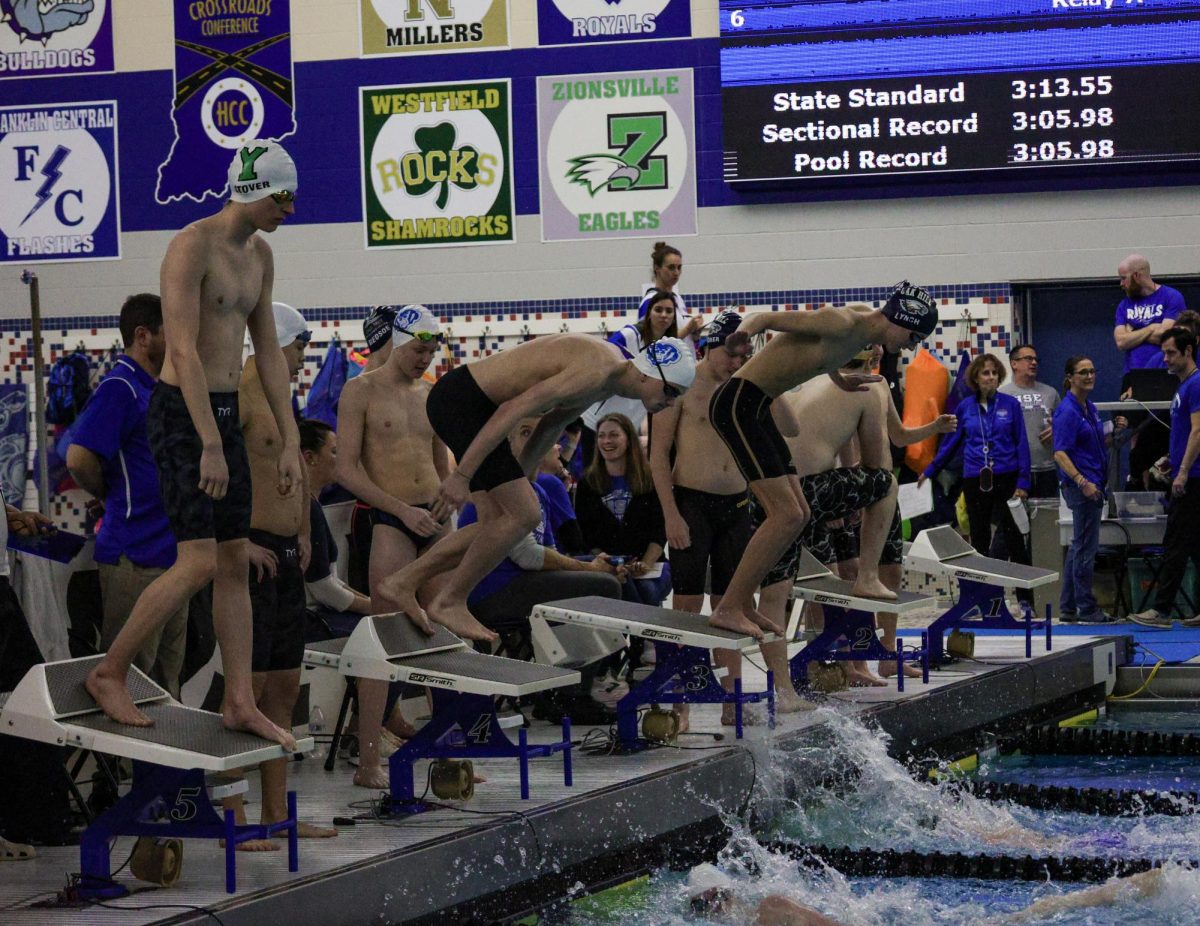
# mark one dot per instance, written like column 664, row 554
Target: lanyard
column 986, row 421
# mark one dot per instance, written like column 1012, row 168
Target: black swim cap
column 720, row 328
column 911, row 307
column 377, row 327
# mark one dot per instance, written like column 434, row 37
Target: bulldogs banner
column 436, row 164
column 60, row 199
column 422, row 27
column 574, row 22
column 47, row 38
column 617, row 155
column 233, row 84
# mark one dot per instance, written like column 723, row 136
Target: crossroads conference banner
column 60, row 199
column 42, row 38
column 437, row 168
column 577, row 22
column 423, row 27
column 617, row 155
column 233, row 84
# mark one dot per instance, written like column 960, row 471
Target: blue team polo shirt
column 1161, row 304
column 113, row 426
column 1186, row 401
column 1079, row 433
column 504, row 574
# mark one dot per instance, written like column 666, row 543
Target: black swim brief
column 741, row 413
column 277, row 607
column 390, row 520
column 176, row 446
column 458, row 410
column 720, row 529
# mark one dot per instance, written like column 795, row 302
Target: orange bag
column 926, row 384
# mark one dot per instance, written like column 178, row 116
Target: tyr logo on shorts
column 223, row 412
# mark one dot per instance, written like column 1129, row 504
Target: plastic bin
column 1139, row 504
column 1140, row 579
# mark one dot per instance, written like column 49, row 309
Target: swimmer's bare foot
column 736, row 621
column 866, row 587
column 113, row 698
column 312, row 831
column 858, row 677
column 750, row 717
column 478, row 779
column 252, row 720
column 887, row 669
column 398, row 726
column 398, row 595
column 764, row 622
column 239, row 818
column 788, row 702
column 374, row 777
column 458, row 619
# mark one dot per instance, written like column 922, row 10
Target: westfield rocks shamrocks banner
column 421, row 27
column 436, row 164
column 617, row 155
column 233, row 84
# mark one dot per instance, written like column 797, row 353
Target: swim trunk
column 277, row 607
column 458, row 409
column 720, row 529
column 193, row 514
column 390, row 520
column 832, row 495
column 741, row 413
column 846, row 543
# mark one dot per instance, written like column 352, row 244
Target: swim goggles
column 671, row 392
column 283, row 197
column 423, row 336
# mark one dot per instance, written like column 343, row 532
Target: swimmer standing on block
column 217, row 277
column 474, row 408
column 807, row 345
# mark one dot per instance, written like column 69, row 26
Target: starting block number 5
column 186, row 806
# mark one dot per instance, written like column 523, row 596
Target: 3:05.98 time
column 1087, row 149
column 1062, row 119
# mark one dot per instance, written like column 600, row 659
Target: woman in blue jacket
column 991, row 432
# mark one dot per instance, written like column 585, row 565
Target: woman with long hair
column 1079, row 451
column 619, row 512
column 666, row 267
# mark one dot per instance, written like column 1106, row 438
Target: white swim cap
column 673, row 357
column 258, row 169
column 414, row 321
column 289, row 324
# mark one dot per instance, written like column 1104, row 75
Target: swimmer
column 389, row 457
column 279, row 551
column 723, row 904
column 1142, row 886
column 807, row 345
column 474, row 408
column 217, row 279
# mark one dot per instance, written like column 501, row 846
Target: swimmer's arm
column 666, row 423
column 350, row 474
column 272, row 368
column 902, row 436
column 1142, row 885
column 545, row 435
column 180, row 279
column 821, row 323
column 779, row 911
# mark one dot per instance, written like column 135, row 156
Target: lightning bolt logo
column 52, row 173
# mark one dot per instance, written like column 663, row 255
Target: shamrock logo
column 444, row 164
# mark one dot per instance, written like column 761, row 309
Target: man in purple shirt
column 1144, row 315
column 110, row 459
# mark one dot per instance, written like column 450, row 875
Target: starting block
column 463, row 684
column 170, row 797
column 981, row 584
column 682, row 675
column 849, row 622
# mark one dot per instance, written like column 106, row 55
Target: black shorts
column 390, row 520
column 720, row 530
column 458, row 409
column 176, row 446
column 846, row 542
column 277, row 607
column 741, row 414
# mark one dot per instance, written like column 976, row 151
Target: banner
column 617, row 155
column 233, row 84
column 59, row 198
column 436, row 164
column 422, row 27
column 45, row 39
column 576, row 22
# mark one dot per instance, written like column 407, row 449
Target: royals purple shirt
column 1161, row 304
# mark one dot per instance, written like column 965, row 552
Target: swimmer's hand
column 945, row 424
column 452, row 495
column 418, row 520
column 290, row 477
column 679, row 536
column 214, row 473
column 854, row 382
column 264, row 561
column 30, row 524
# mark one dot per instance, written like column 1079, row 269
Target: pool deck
column 624, row 813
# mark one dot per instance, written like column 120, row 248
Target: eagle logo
column 594, row 172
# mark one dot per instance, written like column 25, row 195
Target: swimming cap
column 413, row 320
column 911, row 307
column 720, row 328
column 377, row 326
column 289, row 324
column 258, row 169
column 673, row 357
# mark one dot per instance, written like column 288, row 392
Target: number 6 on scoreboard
column 736, row 19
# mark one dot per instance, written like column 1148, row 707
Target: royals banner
column 576, row 22
column 42, row 38
column 59, row 197
column 233, row 84
column 617, row 155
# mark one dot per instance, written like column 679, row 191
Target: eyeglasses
column 671, row 392
column 423, row 336
column 1029, row 357
column 1090, row 372
column 283, row 197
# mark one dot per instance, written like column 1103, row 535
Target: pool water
column 879, row 805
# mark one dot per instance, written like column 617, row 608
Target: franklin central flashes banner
column 437, row 168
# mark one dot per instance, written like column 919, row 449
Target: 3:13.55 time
column 1051, row 87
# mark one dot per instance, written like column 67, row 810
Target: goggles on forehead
column 423, row 336
column 283, row 197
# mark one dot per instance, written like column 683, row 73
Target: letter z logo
column 635, row 166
